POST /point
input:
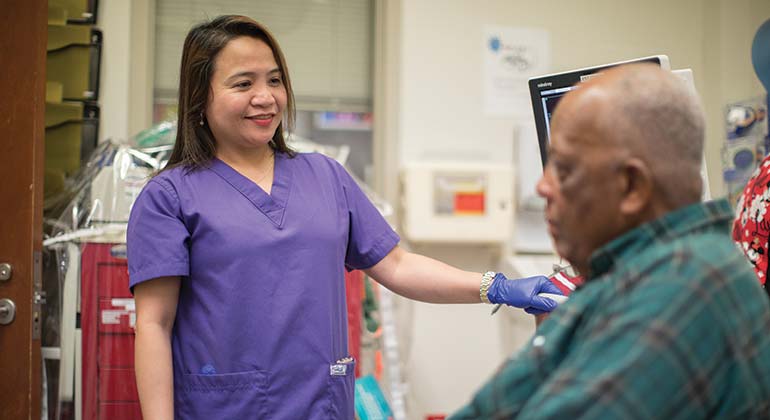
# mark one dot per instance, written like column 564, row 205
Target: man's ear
column 637, row 187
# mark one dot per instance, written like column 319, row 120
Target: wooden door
column 23, row 32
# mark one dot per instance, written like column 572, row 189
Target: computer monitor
column 546, row 91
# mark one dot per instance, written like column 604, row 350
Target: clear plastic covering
column 89, row 316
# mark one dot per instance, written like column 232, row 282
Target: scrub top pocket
column 342, row 381
column 241, row 395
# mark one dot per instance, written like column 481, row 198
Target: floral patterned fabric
column 751, row 228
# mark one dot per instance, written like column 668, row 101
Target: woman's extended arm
column 421, row 278
column 156, row 302
column 425, row 279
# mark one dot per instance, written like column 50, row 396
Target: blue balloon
column 760, row 54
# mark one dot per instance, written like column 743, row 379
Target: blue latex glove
column 523, row 293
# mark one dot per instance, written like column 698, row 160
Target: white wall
column 432, row 108
column 441, row 68
column 126, row 78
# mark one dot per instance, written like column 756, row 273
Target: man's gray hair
column 660, row 119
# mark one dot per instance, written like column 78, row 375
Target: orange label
column 469, row 202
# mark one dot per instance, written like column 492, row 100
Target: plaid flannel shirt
column 672, row 324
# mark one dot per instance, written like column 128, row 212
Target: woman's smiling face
column 247, row 97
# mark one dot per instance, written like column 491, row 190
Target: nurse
column 237, row 250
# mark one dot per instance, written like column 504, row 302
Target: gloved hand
column 523, row 293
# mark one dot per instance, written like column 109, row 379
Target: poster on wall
column 511, row 56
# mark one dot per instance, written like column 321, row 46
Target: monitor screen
column 546, row 91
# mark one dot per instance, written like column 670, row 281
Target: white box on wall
column 457, row 202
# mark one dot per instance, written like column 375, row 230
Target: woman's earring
column 201, row 121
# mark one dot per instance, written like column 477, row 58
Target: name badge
column 338, row 370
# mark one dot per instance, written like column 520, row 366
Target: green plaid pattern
column 672, row 324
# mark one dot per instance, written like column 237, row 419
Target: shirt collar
column 712, row 215
column 272, row 205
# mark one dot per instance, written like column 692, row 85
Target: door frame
column 23, row 38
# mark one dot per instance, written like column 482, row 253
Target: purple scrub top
column 261, row 321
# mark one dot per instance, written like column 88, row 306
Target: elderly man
column 671, row 322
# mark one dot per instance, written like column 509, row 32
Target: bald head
column 625, row 149
column 650, row 114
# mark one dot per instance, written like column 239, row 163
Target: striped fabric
column 566, row 283
column 671, row 324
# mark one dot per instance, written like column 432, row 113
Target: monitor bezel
column 569, row 78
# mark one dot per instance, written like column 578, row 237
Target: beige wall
column 728, row 75
column 432, row 108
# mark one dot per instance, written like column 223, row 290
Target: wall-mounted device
column 458, row 202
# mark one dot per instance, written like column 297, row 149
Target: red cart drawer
column 107, row 319
column 113, row 280
column 120, row 411
column 116, row 351
column 117, row 385
column 117, row 316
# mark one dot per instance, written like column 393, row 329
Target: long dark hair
column 195, row 145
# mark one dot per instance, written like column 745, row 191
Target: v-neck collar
column 272, row 205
